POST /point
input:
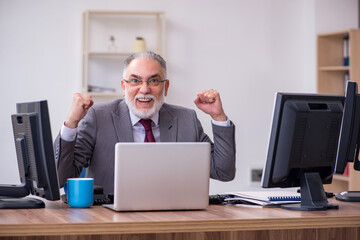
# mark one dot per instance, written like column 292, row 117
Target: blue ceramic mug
column 80, row 192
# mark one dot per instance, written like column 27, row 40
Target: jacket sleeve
column 71, row 157
column 64, row 154
column 223, row 151
column 223, row 154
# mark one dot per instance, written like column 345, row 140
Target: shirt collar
column 136, row 119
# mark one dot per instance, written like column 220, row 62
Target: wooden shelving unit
column 331, row 80
column 108, row 38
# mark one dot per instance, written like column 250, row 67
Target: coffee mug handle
column 65, row 188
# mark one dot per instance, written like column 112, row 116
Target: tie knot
column 146, row 123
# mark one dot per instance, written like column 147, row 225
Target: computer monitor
column 349, row 139
column 35, row 157
column 303, row 146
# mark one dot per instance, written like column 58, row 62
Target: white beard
column 144, row 114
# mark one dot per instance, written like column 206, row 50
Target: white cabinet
column 108, row 38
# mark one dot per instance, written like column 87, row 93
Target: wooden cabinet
column 108, row 38
column 332, row 73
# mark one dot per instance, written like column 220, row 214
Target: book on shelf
column 346, row 51
column 266, row 198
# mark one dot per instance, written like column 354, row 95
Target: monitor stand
column 20, row 203
column 348, row 196
column 313, row 196
column 15, row 197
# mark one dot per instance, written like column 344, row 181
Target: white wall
column 336, row 15
column 247, row 50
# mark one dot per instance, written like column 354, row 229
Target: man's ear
column 167, row 83
column 123, row 86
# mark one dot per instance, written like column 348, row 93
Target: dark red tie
column 149, row 137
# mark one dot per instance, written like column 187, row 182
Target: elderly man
column 88, row 137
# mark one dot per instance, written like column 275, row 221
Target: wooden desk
column 58, row 221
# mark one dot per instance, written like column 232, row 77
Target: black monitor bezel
column 49, row 178
column 35, row 156
column 280, row 100
column 349, row 137
column 309, row 177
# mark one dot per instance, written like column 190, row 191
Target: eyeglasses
column 154, row 82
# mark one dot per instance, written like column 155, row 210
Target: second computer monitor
column 303, row 146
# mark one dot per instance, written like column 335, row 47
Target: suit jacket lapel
column 168, row 125
column 122, row 123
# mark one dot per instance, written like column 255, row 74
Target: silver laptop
column 161, row 176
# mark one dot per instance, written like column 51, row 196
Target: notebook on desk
column 161, row 176
column 266, row 198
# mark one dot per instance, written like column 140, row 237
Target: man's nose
column 144, row 88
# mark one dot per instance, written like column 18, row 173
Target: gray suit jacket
column 105, row 124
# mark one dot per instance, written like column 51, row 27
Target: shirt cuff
column 68, row 134
column 221, row 123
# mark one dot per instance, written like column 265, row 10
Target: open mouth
column 144, row 100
